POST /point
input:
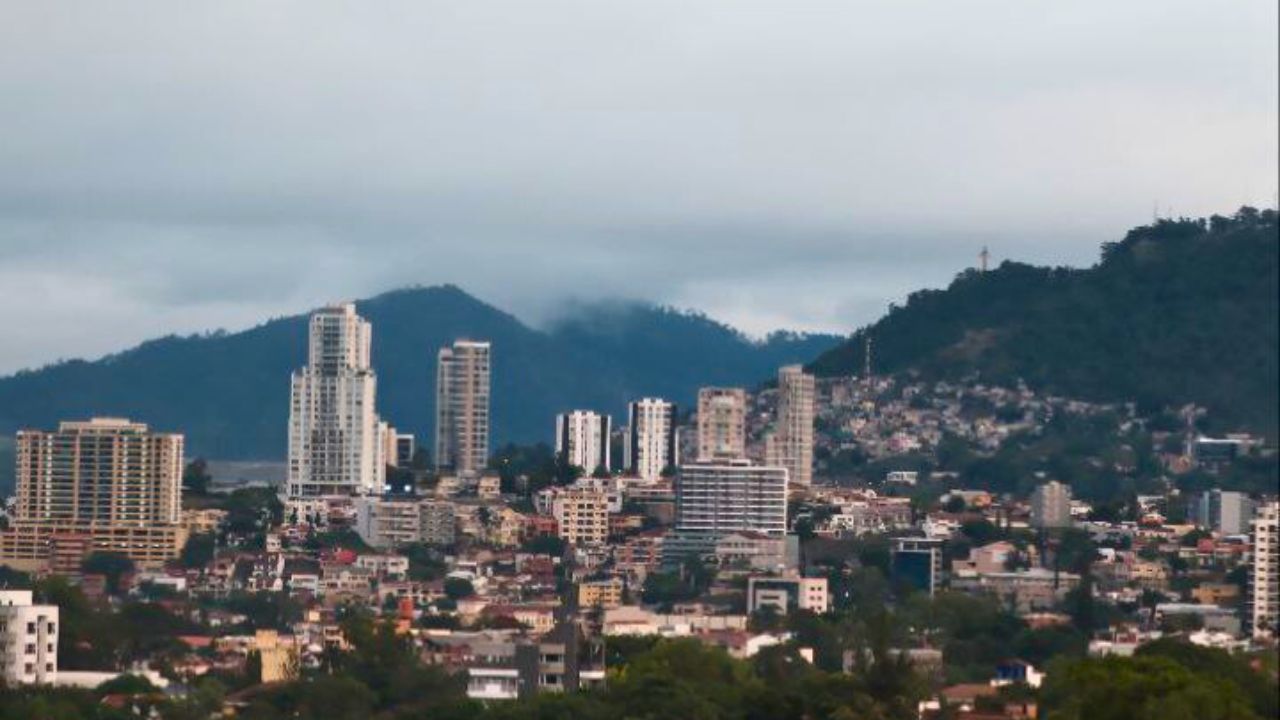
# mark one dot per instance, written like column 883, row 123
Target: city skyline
column 873, row 151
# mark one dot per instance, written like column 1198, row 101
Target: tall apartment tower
column 1264, row 572
column 106, row 484
column 462, row 408
column 722, row 423
column 791, row 443
column 650, row 445
column 1051, row 505
column 337, row 444
column 582, row 439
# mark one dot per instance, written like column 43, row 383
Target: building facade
column 790, row 445
column 582, row 439
column 337, row 444
column 722, row 423
column 582, row 516
column 1264, row 573
column 111, row 483
column 651, row 438
column 28, row 640
column 1222, row 511
column 729, row 497
column 463, row 381
column 1051, row 505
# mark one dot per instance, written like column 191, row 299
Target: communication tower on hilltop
column 983, row 258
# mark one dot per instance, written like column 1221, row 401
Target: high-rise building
column 28, row 640
column 718, row 498
column 1264, row 572
column 462, row 408
column 582, row 439
column 650, row 444
column 337, row 444
column 1225, row 512
column 790, row 445
column 405, row 449
column 110, row 482
column 722, row 423
column 1051, row 505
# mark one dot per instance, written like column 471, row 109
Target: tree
column 113, row 566
column 196, row 478
column 458, row 588
column 198, row 552
column 1138, row 688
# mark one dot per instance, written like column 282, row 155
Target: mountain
column 229, row 392
column 1181, row 311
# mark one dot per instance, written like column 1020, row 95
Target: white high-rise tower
column 582, row 439
column 335, row 443
column 791, row 443
column 651, row 438
column 722, row 423
column 462, row 408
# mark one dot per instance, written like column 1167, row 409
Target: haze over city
column 175, row 169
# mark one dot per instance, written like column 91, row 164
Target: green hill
column 1181, row 311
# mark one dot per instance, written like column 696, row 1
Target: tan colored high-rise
column 462, row 408
column 722, row 423
column 791, row 443
column 109, row 480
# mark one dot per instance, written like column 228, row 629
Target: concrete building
column 1051, row 505
column 391, row 521
column 1264, row 573
column 406, row 447
column 918, row 562
column 1222, row 511
column 462, row 408
column 787, row 593
column 28, row 640
column 600, row 593
column 650, row 444
column 718, row 498
column 582, row 516
column 337, row 444
column 790, row 445
column 109, row 480
column 722, row 424
column 582, row 439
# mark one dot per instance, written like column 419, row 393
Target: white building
column 787, row 593
column 337, row 445
column 1222, row 511
column 733, row 496
column 790, row 445
column 388, row 522
column 1264, row 575
column 28, row 640
column 722, row 423
column 463, row 381
column 582, row 439
column 1051, row 505
column 651, row 438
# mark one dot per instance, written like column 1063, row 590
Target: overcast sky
column 176, row 167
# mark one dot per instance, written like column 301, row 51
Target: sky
column 180, row 167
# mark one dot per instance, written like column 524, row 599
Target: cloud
column 167, row 168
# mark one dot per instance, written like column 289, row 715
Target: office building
column 650, row 446
column 722, row 423
column 1264, row 573
column 109, row 481
column 1051, row 506
column 582, row 440
column 337, row 444
column 790, row 444
column 462, row 408
column 917, row 561
column 28, row 640
column 787, row 593
column 1228, row 513
column 718, row 498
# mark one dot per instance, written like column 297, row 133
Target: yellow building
column 601, row 593
column 107, row 479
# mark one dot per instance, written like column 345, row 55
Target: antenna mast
column 983, row 258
